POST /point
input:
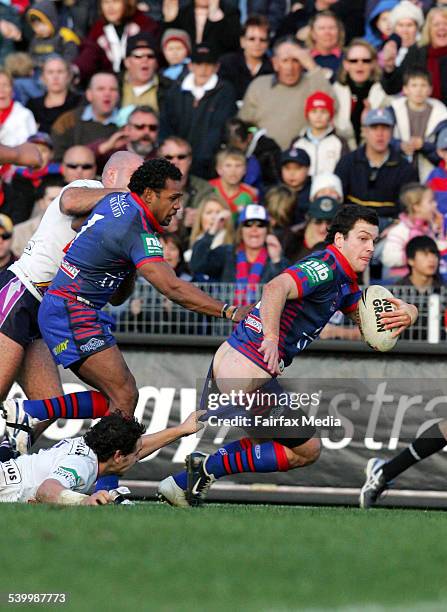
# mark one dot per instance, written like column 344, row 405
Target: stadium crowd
column 275, row 112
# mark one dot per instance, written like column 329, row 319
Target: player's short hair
column 417, row 72
column 153, row 174
column 114, row 432
column 421, row 243
column 347, row 217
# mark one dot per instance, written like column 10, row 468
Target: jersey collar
column 344, row 263
column 153, row 221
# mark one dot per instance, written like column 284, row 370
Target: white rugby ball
column 374, row 301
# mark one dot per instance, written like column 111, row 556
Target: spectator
column 206, row 23
column 256, row 145
column 20, row 68
column 142, row 85
column 7, row 257
column 417, row 115
column 48, row 37
column 422, row 256
column 87, row 124
column 231, row 166
column 326, row 184
column 256, row 257
column 58, row 99
column 357, row 89
column 78, row 163
column 139, row 136
column 241, row 67
column 176, row 47
column 16, row 122
column 295, row 164
column 103, row 49
column 319, row 139
column 373, row 174
column 318, row 219
column 378, row 23
column 274, row 10
column 280, row 204
column 213, row 217
column 178, row 151
column 287, row 90
column 421, row 218
column 297, row 20
column 325, row 40
column 437, row 179
column 21, row 193
column 197, row 110
column 48, row 190
column 10, row 30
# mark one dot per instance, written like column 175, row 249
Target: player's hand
column 401, row 318
column 192, row 424
column 269, row 348
column 274, row 248
column 242, row 312
column 28, row 154
column 99, row 498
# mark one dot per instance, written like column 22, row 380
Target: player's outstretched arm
column 153, row 442
column 274, row 296
column 162, row 277
column 78, row 201
column 51, row 491
column 26, row 154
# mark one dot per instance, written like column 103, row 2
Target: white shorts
column 11, row 485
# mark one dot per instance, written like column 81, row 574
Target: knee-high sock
column 231, row 447
column 430, row 442
column 82, row 405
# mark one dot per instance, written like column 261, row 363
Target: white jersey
column 40, row 260
column 70, row 461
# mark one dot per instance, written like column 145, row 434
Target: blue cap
column 379, row 116
column 297, row 156
column 441, row 141
column 253, row 212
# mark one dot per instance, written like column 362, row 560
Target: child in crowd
column 417, row 115
column 295, row 164
column 319, row 139
column 176, row 47
column 231, row 166
column 420, row 219
column 20, row 66
column 437, row 179
column 326, row 184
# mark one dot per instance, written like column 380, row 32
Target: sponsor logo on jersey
column 317, row 271
column 79, row 447
column 253, row 322
column 61, row 347
column 69, row 269
column 69, row 475
column 118, row 205
column 152, row 245
column 11, row 472
column 92, row 345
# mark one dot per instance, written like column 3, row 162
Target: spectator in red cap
column 176, row 47
column 103, row 49
column 319, row 139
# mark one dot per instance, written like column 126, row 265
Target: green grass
column 226, row 557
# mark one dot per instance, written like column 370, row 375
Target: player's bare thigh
column 108, row 372
column 231, row 369
column 38, row 375
column 12, row 355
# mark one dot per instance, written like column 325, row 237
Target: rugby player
column 64, row 473
column 119, row 236
column 25, row 357
column 294, row 308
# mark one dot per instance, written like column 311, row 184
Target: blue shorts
column 73, row 330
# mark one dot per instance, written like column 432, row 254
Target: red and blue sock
column 82, row 405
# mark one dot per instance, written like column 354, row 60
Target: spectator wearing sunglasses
column 7, row 257
column 241, row 67
column 256, row 256
column 78, row 163
column 374, row 174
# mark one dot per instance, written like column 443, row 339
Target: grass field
column 226, row 557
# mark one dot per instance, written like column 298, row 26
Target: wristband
column 230, row 311
column 70, row 498
column 223, row 312
column 234, row 313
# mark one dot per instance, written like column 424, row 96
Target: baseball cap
column 441, row 141
column 41, row 138
column 143, row 40
column 253, row 212
column 203, row 54
column 6, row 223
column 319, row 99
column 379, row 116
column 298, row 156
column 323, row 208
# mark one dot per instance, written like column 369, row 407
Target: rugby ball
column 374, row 301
